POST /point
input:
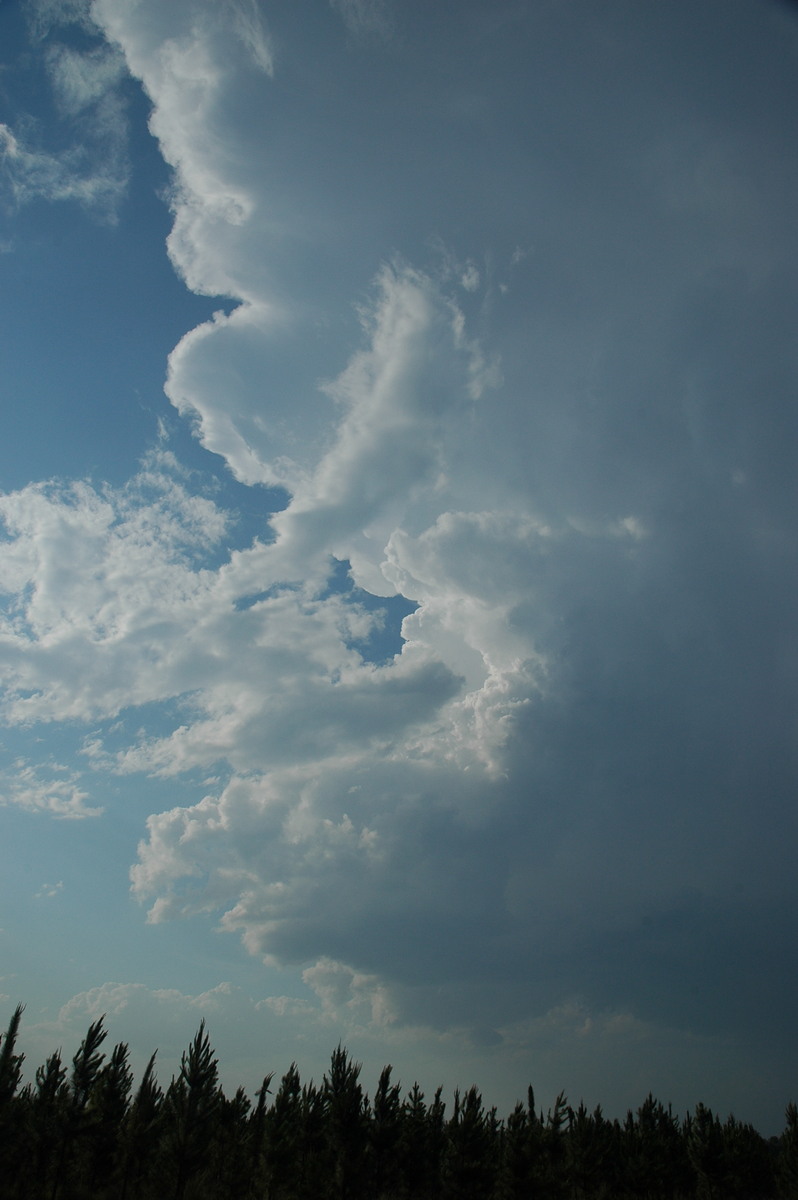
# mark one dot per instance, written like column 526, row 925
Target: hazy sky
column 398, row 570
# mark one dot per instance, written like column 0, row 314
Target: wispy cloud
column 92, row 169
column 50, row 788
column 34, row 174
column 48, row 891
column 369, row 20
column 249, row 25
column 81, row 80
column 46, row 15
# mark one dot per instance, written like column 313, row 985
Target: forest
column 81, row 1129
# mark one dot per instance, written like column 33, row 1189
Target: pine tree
column 655, row 1162
column 384, row 1136
column 316, row 1177
column 788, row 1155
column 588, row 1145
column 469, row 1165
column 11, row 1110
column 345, row 1112
column 230, row 1157
column 10, row 1063
column 48, row 1105
column 77, row 1119
column 747, row 1169
column 283, row 1134
column 513, row 1181
column 77, row 1136
column 552, row 1181
column 257, row 1141
column 542, row 1154
column 705, row 1149
column 107, row 1107
column 140, row 1134
column 191, row 1106
column 421, row 1144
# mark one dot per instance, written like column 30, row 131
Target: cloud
column 185, row 58
column 49, row 891
column 571, row 786
column 113, row 999
column 567, row 804
column 46, row 15
column 470, row 278
column 602, row 1056
column 34, row 174
column 369, row 20
column 92, row 169
column 285, row 1027
column 166, row 1018
column 401, row 401
column 81, row 80
column 349, row 995
column 249, row 26
column 546, row 767
column 95, row 580
column 50, row 788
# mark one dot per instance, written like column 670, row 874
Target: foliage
column 83, row 1134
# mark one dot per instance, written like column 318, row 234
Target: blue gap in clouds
column 253, row 508
column 385, row 641
column 249, row 507
column 90, row 309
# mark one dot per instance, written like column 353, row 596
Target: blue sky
column 399, row 539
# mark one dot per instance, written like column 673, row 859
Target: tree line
column 81, row 1130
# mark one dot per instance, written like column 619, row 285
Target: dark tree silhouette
column 421, row 1143
column 190, row 1110
column 78, row 1135
column 788, row 1155
column 11, row 1114
column 470, row 1160
column 346, row 1117
column 139, row 1134
column 76, row 1120
column 384, row 1136
column 107, row 1108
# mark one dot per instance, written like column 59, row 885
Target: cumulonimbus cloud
column 585, row 749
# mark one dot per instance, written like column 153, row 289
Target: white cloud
column 71, row 175
column 81, row 79
column 93, row 169
column 48, row 891
column 402, row 402
column 186, row 56
column 50, row 788
column 349, row 995
column 99, row 582
column 113, row 999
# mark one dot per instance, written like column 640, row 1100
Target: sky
column 398, row 536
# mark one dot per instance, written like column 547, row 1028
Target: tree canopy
column 83, row 1132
